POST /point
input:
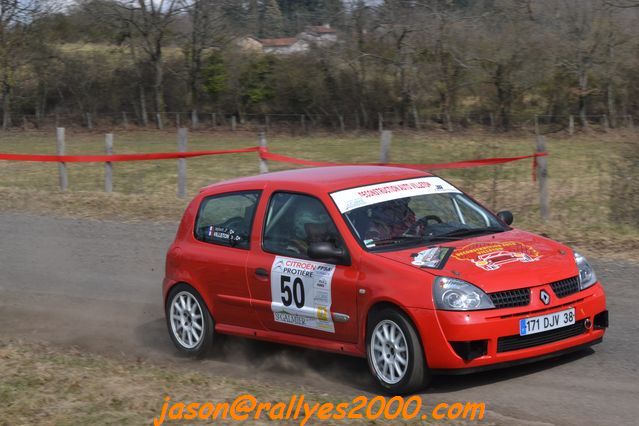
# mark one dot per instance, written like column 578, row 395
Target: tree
column 510, row 57
column 208, row 29
column 17, row 19
column 215, row 76
column 256, row 83
column 146, row 26
column 272, row 22
column 579, row 30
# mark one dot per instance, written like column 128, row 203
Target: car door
column 219, row 252
column 290, row 292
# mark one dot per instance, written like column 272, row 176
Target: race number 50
column 292, row 292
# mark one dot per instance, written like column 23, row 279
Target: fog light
column 601, row 320
column 471, row 349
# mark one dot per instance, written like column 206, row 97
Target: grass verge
column 44, row 385
column 583, row 171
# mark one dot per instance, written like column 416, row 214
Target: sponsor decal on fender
column 492, row 256
column 432, row 257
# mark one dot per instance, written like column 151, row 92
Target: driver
column 390, row 219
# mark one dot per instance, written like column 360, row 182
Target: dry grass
column 45, row 385
column 580, row 168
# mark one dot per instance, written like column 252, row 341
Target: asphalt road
column 96, row 286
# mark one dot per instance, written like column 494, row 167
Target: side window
column 294, row 221
column 227, row 219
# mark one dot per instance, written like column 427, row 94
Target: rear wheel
column 395, row 354
column 189, row 321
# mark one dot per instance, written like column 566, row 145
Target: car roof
column 320, row 179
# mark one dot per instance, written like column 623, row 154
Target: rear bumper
column 439, row 329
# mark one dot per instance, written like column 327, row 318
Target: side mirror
column 506, row 216
column 327, row 252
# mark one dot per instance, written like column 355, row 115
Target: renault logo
column 544, row 296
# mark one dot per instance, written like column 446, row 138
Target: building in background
column 321, row 36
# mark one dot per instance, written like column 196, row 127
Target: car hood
column 495, row 262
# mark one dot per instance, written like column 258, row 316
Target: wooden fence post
column 125, row 121
column 62, row 167
column 385, row 144
column 416, row 119
column 542, row 177
column 194, row 120
column 108, row 166
column 233, row 123
column 89, row 121
column 158, row 121
column 342, row 127
column 263, row 144
column 571, row 124
column 182, row 140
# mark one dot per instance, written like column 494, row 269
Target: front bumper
column 441, row 330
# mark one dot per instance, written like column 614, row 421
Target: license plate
column 546, row 322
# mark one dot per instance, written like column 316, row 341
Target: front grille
column 565, row 287
column 511, row 298
column 513, row 343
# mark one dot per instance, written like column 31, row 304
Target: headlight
column 452, row 294
column 587, row 275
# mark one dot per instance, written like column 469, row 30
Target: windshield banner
column 350, row 199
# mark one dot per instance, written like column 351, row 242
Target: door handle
column 261, row 272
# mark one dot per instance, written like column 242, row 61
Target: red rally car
column 391, row 264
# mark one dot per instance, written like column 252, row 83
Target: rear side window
column 227, row 219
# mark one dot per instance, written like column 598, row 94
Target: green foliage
column 256, row 82
column 215, row 76
column 272, row 20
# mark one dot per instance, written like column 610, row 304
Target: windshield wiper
column 459, row 234
column 397, row 240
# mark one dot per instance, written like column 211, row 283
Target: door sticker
column 301, row 293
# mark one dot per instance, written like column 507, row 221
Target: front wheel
column 395, row 354
column 189, row 321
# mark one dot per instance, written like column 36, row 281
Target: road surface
column 96, row 285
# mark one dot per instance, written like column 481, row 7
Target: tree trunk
column 158, row 84
column 6, row 105
column 612, row 112
column 610, row 90
column 143, row 112
column 583, row 90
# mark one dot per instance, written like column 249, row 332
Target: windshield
column 413, row 212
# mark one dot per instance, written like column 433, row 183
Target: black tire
column 416, row 374
column 205, row 344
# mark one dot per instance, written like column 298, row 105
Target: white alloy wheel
column 186, row 319
column 389, row 352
